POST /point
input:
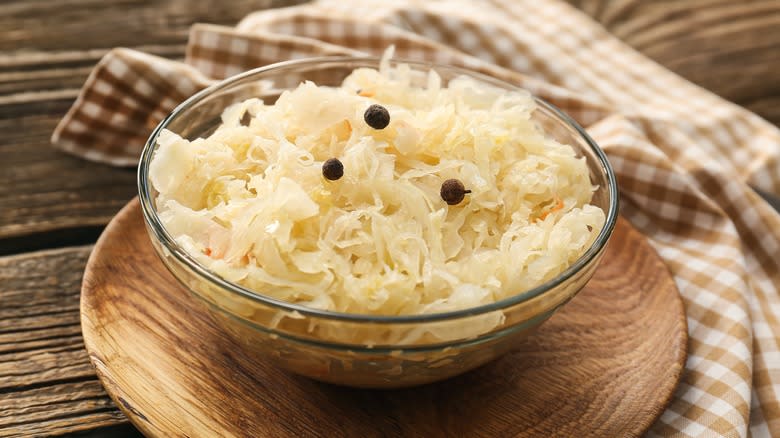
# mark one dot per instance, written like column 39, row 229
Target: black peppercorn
column 332, row 169
column 377, row 117
column 453, row 191
column 246, row 119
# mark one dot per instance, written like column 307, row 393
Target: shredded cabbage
column 251, row 204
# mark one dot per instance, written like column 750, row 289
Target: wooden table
column 53, row 206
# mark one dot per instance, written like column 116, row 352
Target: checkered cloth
column 685, row 159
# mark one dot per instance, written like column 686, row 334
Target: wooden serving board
column 605, row 365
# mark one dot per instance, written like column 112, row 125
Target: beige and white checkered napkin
column 685, row 158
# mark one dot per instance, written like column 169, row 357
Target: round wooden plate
column 605, row 365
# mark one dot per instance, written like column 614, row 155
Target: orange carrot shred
column 558, row 205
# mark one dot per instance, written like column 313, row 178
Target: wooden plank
column 53, row 25
column 729, row 47
column 44, row 189
column 47, row 385
column 47, row 190
column 47, row 49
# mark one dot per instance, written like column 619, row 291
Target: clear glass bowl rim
column 153, row 221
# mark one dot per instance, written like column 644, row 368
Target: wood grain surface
column 51, row 200
column 605, row 365
column 47, row 385
column 47, row 49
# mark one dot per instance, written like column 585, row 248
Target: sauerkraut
column 251, row 204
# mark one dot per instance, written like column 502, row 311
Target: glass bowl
column 366, row 350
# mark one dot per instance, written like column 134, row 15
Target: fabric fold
column 125, row 97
